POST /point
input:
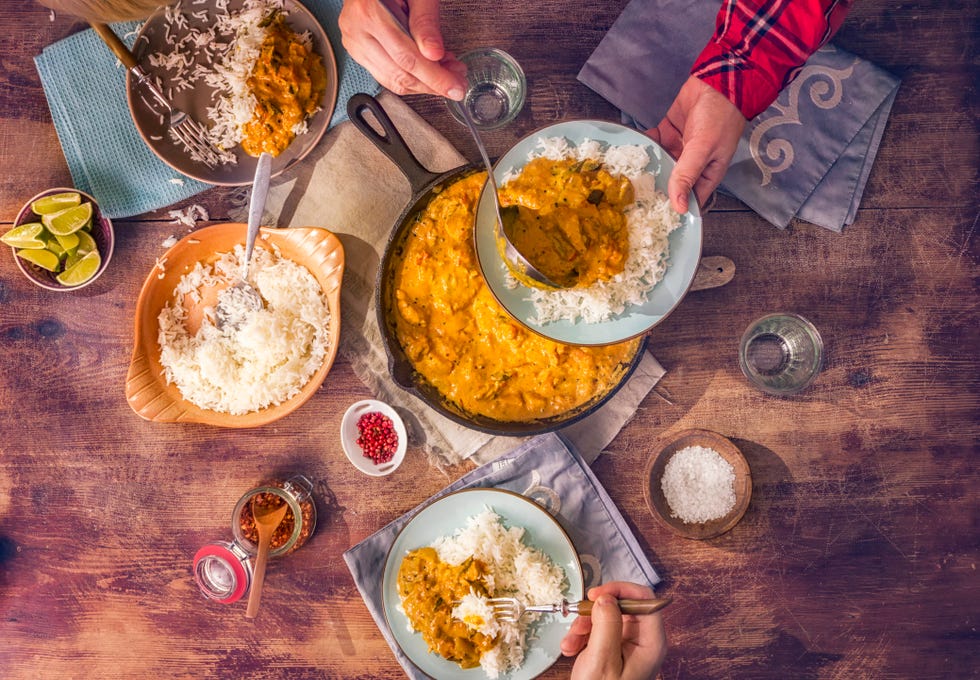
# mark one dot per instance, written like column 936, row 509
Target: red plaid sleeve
column 759, row 46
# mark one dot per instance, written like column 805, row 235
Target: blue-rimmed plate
column 685, row 244
column 447, row 515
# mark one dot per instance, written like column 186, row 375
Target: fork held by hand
column 511, row 609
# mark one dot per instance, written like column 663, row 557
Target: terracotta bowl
column 657, row 502
column 147, row 390
column 101, row 232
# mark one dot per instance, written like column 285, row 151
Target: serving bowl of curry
column 451, row 342
column 448, row 341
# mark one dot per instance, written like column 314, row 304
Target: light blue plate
column 685, row 244
column 445, row 516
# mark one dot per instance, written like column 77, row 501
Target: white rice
column 649, row 220
column 514, row 570
column 699, row 485
column 268, row 358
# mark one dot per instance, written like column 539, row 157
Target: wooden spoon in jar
column 267, row 520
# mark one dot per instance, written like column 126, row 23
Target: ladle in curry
column 267, row 520
column 523, row 271
column 516, row 262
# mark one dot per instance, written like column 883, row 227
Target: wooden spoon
column 267, row 520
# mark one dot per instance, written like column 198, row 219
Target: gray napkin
column 548, row 471
column 807, row 156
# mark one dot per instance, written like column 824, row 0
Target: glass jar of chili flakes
column 297, row 493
column 223, row 570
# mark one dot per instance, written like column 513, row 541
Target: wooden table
column 857, row 557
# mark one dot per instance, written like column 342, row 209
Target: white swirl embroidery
column 544, row 496
column 826, row 93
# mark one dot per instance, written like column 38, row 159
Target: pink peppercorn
column 378, row 439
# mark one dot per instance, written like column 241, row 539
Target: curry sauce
column 288, row 82
column 428, row 588
column 459, row 338
column 570, row 222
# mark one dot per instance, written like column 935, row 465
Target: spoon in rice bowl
column 520, row 267
column 236, row 302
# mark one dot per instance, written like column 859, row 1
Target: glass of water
column 781, row 353
column 496, row 88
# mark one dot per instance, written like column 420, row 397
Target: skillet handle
column 390, row 143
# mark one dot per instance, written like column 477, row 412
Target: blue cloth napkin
column 86, row 92
column 807, row 156
column 547, row 470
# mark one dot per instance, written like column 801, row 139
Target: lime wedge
column 56, row 202
column 86, row 244
column 42, row 258
column 69, row 220
column 55, row 247
column 68, row 242
column 81, row 271
column 28, row 236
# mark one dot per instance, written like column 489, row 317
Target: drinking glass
column 781, row 353
column 496, row 88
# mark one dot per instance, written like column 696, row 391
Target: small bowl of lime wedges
column 61, row 240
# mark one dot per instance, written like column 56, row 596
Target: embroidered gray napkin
column 86, row 92
column 551, row 473
column 347, row 186
column 807, row 156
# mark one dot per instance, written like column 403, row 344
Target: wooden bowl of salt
column 698, row 484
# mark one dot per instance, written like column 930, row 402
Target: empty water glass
column 496, row 88
column 781, row 353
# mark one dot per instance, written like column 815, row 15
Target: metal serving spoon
column 234, row 302
column 523, row 270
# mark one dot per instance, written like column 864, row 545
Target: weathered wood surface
column 857, row 557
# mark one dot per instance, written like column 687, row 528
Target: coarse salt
column 699, row 485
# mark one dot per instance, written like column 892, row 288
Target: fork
column 182, row 127
column 511, row 609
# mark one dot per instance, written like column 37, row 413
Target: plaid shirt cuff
column 759, row 46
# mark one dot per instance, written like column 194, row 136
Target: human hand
column 701, row 130
column 612, row 645
column 409, row 60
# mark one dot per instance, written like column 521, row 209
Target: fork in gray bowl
column 183, row 128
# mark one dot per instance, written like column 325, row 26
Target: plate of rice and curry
column 588, row 208
column 455, row 554
column 259, row 74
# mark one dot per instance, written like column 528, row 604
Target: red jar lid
column 223, row 572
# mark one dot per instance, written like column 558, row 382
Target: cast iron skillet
column 425, row 185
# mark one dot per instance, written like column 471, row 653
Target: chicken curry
column 569, row 221
column 459, row 338
column 288, row 82
column 428, row 588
